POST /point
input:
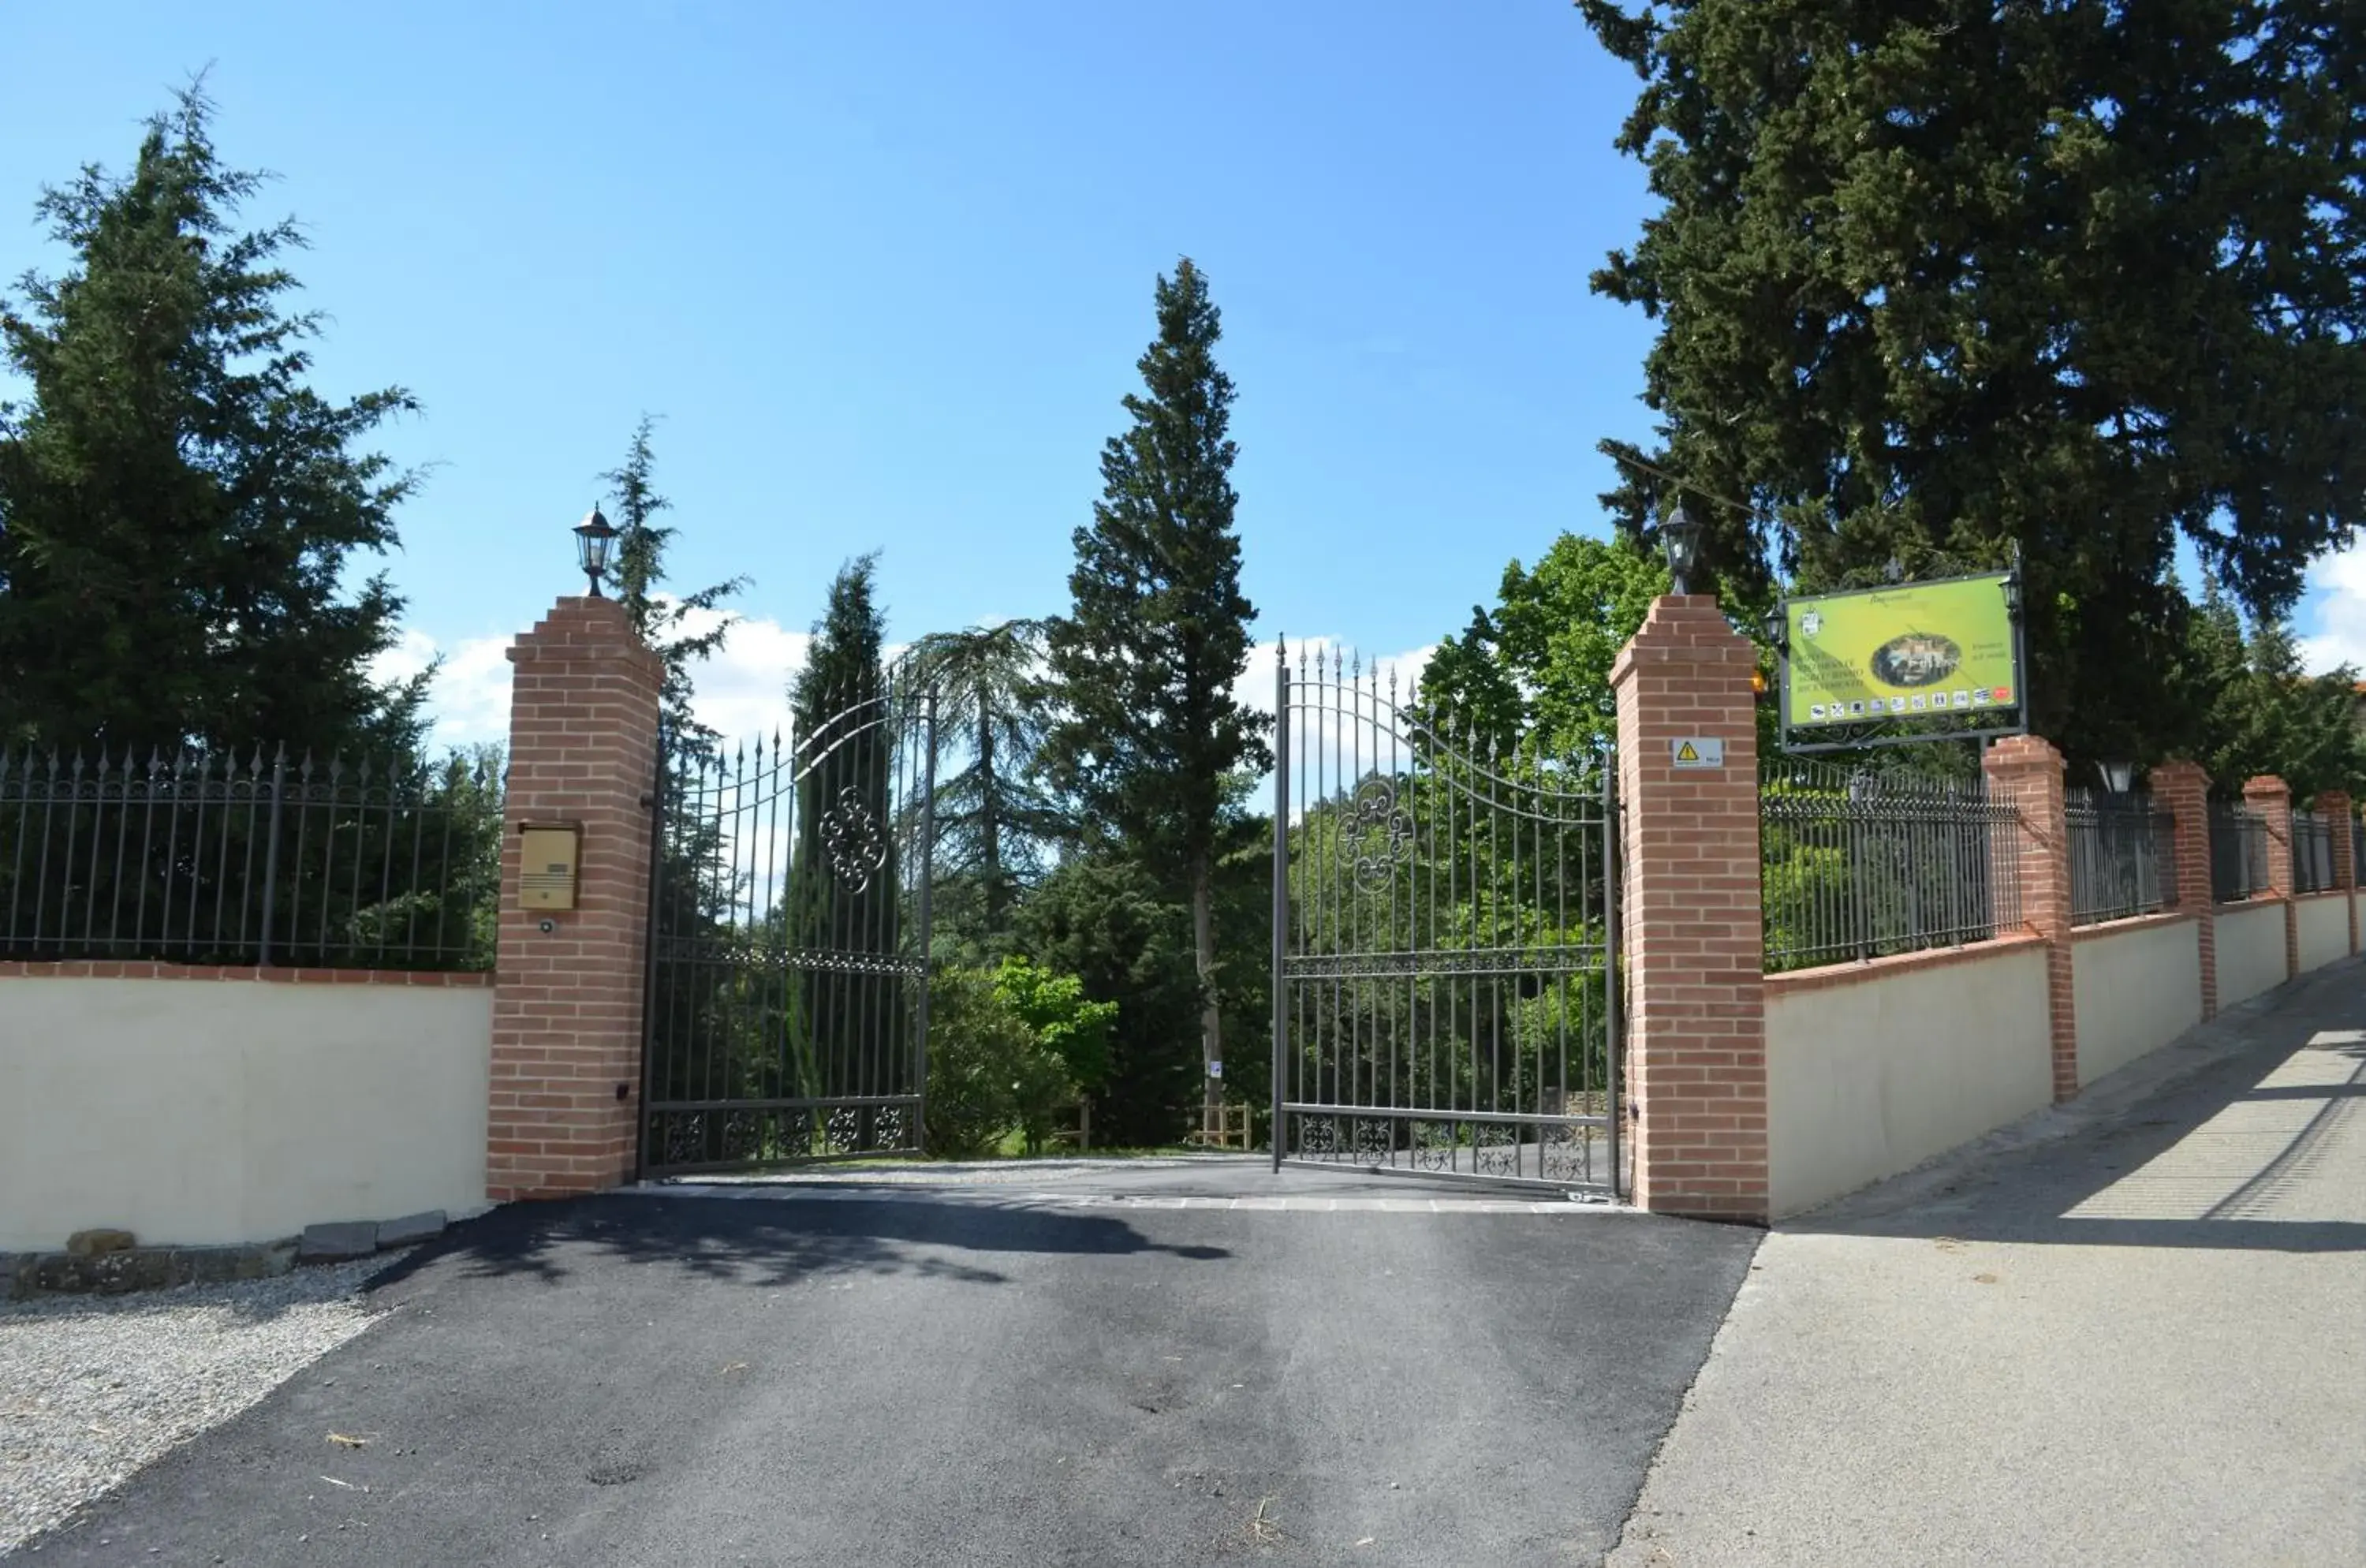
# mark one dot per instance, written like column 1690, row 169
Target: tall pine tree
column 1157, row 632
column 843, row 896
column 697, row 1004
column 177, row 508
column 638, row 575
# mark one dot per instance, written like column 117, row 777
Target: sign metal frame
column 1856, row 735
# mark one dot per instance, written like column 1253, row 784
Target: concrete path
column 2133, row 1332
column 1128, row 1368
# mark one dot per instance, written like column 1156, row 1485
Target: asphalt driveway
column 1127, row 1370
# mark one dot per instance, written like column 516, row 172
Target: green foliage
column 980, row 1053
column 1463, row 883
column 2246, row 707
column 178, row 509
column 1104, row 919
column 638, row 574
column 845, row 748
column 1074, row 1029
column 1150, row 736
column 992, row 821
column 1004, row 1048
column 1934, row 281
column 1537, row 667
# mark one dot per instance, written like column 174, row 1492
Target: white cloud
column 741, row 691
column 1334, row 734
column 468, row 697
column 2340, row 637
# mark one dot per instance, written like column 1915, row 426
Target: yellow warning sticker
column 1698, row 751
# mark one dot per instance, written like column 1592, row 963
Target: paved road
column 1125, row 1370
column 2142, row 1343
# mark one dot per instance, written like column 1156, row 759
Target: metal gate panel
column 786, row 1010
column 1444, row 963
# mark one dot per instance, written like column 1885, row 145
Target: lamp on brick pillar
column 2026, row 772
column 1694, row 937
column 2183, row 791
column 2269, row 799
column 2334, row 807
column 568, row 986
column 594, row 538
column 1680, row 540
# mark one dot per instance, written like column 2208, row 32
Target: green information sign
column 1916, row 650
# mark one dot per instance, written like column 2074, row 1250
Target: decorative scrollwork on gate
column 1374, row 810
column 854, row 841
column 1568, row 1153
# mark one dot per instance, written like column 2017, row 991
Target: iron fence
column 203, row 857
column 1857, row 863
column 2122, row 856
column 2356, row 852
column 2311, row 852
column 2238, row 853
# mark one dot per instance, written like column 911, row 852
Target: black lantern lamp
column 593, row 539
column 1680, row 538
column 2119, row 778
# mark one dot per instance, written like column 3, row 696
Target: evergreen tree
column 1102, row 917
column 843, row 896
column 2248, row 707
column 699, row 1007
column 636, row 574
column 991, row 820
column 1936, row 280
column 1158, row 633
column 177, row 507
column 1535, row 668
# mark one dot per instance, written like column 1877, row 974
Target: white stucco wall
column 1904, row 1061
column 2251, row 951
column 2135, row 987
column 2324, row 930
column 199, row 1111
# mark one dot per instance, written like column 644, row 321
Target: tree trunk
column 989, row 829
column 1203, row 940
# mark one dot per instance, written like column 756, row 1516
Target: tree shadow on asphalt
column 769, row 1242
column 2180, row 1170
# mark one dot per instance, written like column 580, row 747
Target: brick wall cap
column 2021, row 754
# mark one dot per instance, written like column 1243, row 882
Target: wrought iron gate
column 1445, row 965
column 787, row 1017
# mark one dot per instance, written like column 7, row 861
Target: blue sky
column 883, row 272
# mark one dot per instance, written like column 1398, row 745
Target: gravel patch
column 91, row 1389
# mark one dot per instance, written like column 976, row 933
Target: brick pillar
column 2183, row 789
column 2027, row 772
column 1695, row 939
column 2334, row 804
column 567, row 1002
column 2269, row 797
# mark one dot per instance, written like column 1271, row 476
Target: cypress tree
column 843, row 896
column 1158, row 633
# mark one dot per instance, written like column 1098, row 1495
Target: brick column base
column 2336, row 806
column 2027, row 772
column 567, row 1002
column 2183, row 789
column 2270, row 798
column 1694, row 940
